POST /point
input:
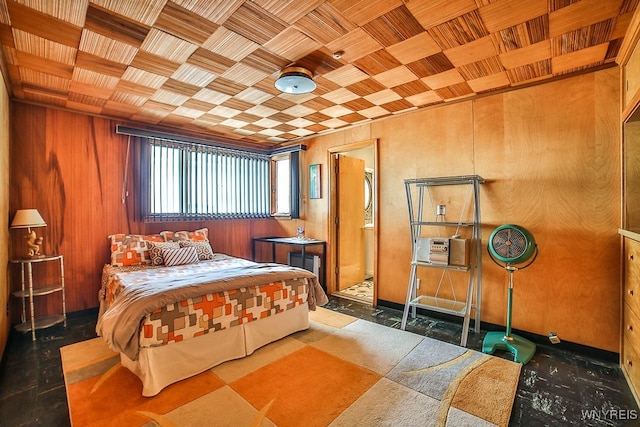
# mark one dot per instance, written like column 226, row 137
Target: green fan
column 511, row 245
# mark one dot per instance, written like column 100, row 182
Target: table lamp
column 28, row 218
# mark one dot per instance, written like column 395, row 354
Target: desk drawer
column 632, row 274
column 631, row 364
column 630, row 358
column 632, row 328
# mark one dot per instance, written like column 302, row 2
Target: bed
column 173, row 308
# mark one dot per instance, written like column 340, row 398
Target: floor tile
column 556, row 388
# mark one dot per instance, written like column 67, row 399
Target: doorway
column 353, row 219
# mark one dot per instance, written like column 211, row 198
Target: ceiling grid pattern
column 209, row 67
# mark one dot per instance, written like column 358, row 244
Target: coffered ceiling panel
column 209, row 66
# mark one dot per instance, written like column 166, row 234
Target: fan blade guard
column 511, row 244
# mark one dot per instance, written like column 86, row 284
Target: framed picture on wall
column 315, row 187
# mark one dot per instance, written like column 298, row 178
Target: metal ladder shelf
column 418, row 191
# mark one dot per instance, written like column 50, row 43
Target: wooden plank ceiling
column 209, row 66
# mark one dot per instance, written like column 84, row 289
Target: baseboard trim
column 541, row 340
column 83, row 313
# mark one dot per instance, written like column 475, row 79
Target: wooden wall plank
column 550, row 154
column 5, row 213
column 75, row 181
column 436, row 142
column 551, row 157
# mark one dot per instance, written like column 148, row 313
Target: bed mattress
column 200, row 313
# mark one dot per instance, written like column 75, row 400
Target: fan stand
column 521, row 348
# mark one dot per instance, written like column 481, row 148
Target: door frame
column 332, row 254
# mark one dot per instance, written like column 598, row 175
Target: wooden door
column 350, row 225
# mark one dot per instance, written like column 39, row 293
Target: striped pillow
column 180, row 256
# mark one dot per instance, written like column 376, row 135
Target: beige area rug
column 342, row 371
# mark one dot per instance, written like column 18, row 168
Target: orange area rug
column 342, row 371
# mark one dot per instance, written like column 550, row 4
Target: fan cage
column 511, row 244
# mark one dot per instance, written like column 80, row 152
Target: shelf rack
column 432, row 221
column 28, row 291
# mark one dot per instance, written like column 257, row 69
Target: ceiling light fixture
column 295, row 80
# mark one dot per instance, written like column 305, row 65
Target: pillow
column 132, row 249
column 169, row 236
column 203, row 249
column 179, row 256
column 156, row 250
column 200, row 235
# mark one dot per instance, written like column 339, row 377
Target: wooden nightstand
column 28, row 291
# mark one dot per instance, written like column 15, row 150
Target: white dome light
column 295, row 80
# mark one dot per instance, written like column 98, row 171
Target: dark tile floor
column 32, row 389
column 557, row 387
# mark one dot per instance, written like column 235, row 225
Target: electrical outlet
column 553, row 337
column 417, row 283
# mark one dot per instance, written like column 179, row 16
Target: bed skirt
column 158, row 367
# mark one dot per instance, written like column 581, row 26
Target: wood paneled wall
column 4, row 215
column 553, row 154
column 71, row 168
column 551, row 158
column 550, row 154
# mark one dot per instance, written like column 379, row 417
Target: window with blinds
column 197, row 182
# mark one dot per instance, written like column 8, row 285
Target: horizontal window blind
column 195, row 182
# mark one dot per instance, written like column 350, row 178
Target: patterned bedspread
column 199, row 314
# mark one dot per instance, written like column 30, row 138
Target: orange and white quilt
column 145, row 306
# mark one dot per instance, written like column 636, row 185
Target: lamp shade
column 26, row 218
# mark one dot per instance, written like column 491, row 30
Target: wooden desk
column 294, row 241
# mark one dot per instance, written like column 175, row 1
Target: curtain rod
column 125, row 130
